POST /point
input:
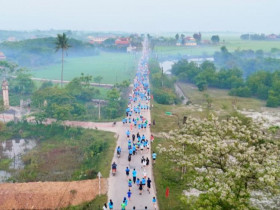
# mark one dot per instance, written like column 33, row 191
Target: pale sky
column 152, row 16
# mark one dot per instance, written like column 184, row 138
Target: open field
column 220, row 99
column 51, row 195
column 113, row 67
column 231, row 43
column 62, row 154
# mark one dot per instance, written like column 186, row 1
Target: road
column 118, row 184
column 65, row 82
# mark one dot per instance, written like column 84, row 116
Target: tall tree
column 62, row 43
column 177, row 37
column 215, row 39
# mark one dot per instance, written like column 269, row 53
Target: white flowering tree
column 229, row 159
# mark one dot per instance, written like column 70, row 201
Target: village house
column 122, row 41
column 2, row 56
column 190, row 41
column 96, row 40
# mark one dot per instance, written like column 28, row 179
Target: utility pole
column 161, row 76
column 99, row 176
column 99, row 110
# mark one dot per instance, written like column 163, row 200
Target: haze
column 142, row 16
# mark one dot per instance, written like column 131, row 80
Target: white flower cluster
column 235, row 158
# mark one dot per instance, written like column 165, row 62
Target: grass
column 63, row 154
column 220, row 99
column 5, row 163
column 166, row 175
column 113, row 67
column 232, row 44
column 95, row 204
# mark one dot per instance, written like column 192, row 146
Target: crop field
column 232, row 44
column 113, row 67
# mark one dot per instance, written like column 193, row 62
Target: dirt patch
column 49, row 195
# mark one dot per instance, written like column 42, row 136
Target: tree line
column 261, row 84
column 36, row 52
column 248, row 61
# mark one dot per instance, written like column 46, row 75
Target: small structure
column 2, row 56
column 5, row 91
column 96, row 40
column 122, row 41
column 190, row 41
column 130, row 49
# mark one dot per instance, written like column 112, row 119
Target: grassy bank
column 62, row 154
column 113, row 67
column 166, row 177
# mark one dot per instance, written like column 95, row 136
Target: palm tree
column 62, row 43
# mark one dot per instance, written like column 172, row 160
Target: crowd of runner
column 138, row 145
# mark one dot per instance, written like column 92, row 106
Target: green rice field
column 113, row 67
column 232, row 44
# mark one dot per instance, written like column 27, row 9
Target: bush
column 164, row 96
column 241, row 91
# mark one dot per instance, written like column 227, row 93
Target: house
column 190, row 41
column 11, row 39
column 130, row 49
column 272, row 36
column 97, row 40
column 122, row 41
column 2, row 56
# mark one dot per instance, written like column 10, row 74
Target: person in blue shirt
column 134, row 174
column 127, row 171
column 154, row 155
column 119, row 151
column 127, row 133
column 111, row 204
column 155, row 202
column 131, row 151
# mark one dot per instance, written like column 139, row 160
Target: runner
column 105, row 206
column 129, row 184
column 127, row 171
column 155, row 202
column 134, row 174
column 111, row 204
column 140, row 188
column 149, row 184
column 129, row 194
column 147, row 161
column 154, row 155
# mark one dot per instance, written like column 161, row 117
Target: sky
column 154, row 16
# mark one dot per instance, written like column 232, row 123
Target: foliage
column 62, row 42
column 37, row 52
column 230, row 158
column 75, row 153
column 248, row 61
column 22, row 84
column 215, row 39
column 162, row 84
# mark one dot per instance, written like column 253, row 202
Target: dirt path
column 49, row 195
column 181, row 93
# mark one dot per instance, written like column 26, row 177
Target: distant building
column 97, row 40
column 122, row 41
column 272, row 36
column 131, row 49
column 190, row 41
column 11, row 39
column 2, row 56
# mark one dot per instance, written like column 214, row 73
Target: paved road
column 118, row 184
